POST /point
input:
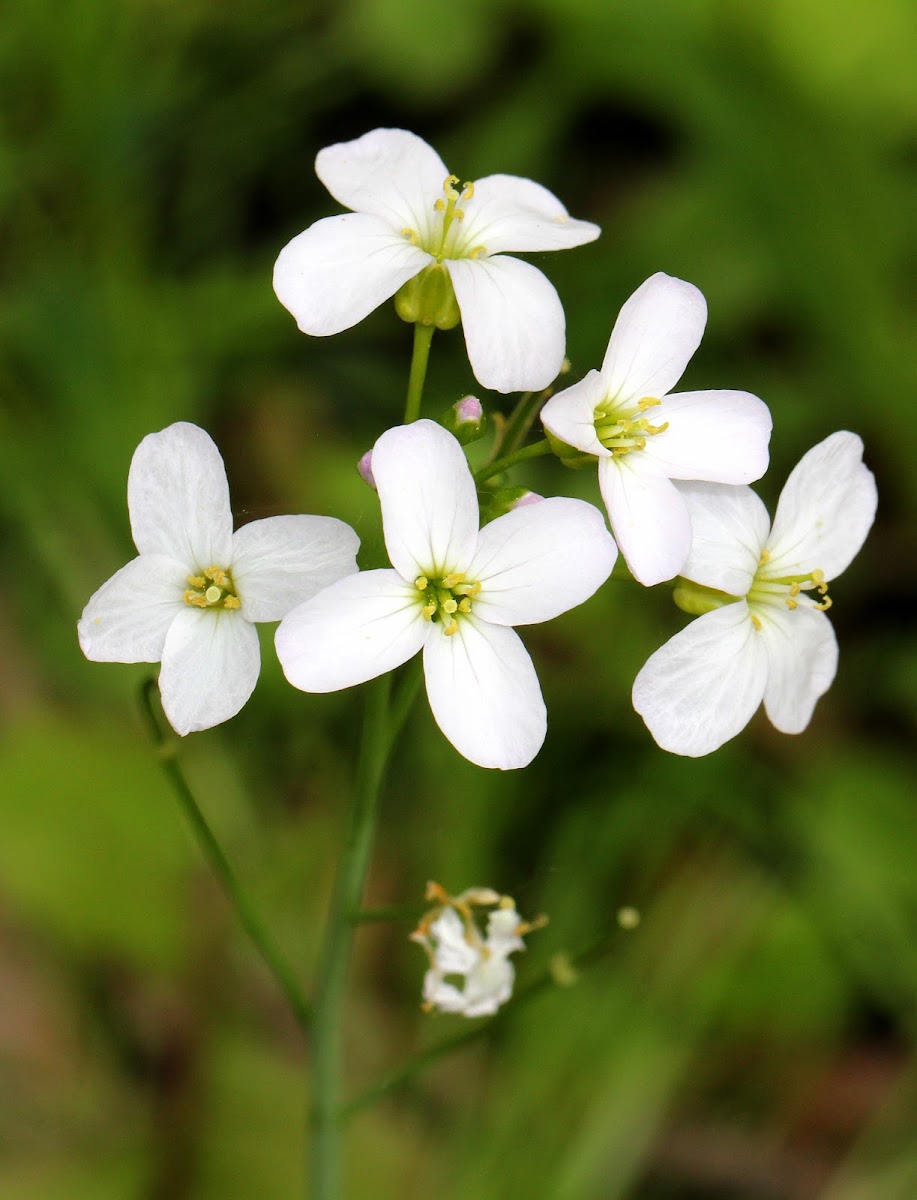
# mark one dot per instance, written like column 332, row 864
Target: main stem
column 535, row 450
column 423, row 337
column 332, row 973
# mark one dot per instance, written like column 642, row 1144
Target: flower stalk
column 423, row 338
column 535, row 450
column 251, row 922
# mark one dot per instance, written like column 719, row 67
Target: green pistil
column 213, row 588
column 445, row 598
column 621, row 434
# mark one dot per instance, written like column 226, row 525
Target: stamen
column 765, row 557
column 449, row 581
column 428, row 610
column 826, row 603
column 647, row 402
column 197, row 581
column 421, row 583
column 412, row 234
column 465, row 605
column 756, row 620
column 478, row 251
column 439, row 205
column 791, row 604
column 232, row 602
column 468, row 190
column 451, row 628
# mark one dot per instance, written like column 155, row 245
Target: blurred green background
column 753, row 1038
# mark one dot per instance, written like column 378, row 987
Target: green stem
column 519, row 422
column 273, row 957
column 423, row 337
column 381, row 723
column 536, row 450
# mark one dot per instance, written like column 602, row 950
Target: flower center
column 772, row 589
column 624, row 431
column 445, row 599
column 213, row 588
column 450, row 213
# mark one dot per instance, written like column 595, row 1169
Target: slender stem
column 414, row 1065
column 378, row 735
column 273, row 957
column 423, row 336
column 380, row 913
column 503, row 464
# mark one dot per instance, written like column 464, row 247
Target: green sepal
column 696, row 599
column 429, row 299
column 568, row 455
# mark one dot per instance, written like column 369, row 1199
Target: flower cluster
column 673, row 472
column 470, row 973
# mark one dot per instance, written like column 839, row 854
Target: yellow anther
column 197, row 581
column 451, row 181
column 765, row 557
column 506, row 902
column 756, row 620
column 451, row 628
column 791, row 604
column 449, row 581
column 195, row 598
column 825, row 604
column 421, row 583
column 459, row 214
column 232, row 602
column 656, row 428
column 428, row 610
column 439, row 205
column 478, row 251
column 450, row 606
column 468, row 190
column 794, row 589
column 647, row 402
column 219, row 577
column 412, row 234
column 620, row 451
column 465, row 605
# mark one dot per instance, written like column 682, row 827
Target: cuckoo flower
column 189, row 599
column 454, row 592
column 762, row 592
column 644, row 436
column 470, row 974
column 413, row 220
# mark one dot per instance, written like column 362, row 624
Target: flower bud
column 466, row 420
column 365, row 467
column 429, row 299
column 497, row 501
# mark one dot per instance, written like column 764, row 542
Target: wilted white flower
column 763, row 593
column 190, row 597
column 411, row 215
column 469, row 973
column 644, row 436
column 455, row 592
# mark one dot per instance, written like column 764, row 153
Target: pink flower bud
column 469, row 411
column 365, row 467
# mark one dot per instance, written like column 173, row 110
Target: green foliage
column 154, row 157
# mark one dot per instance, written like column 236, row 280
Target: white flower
column 454, row 593
column 644, row 436
column 479, row 966
column 411, row 214
column 763, row 592
column 190, row 597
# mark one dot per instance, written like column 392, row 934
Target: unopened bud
column 465, row 419
column 365, row 467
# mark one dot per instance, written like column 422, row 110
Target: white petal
column 540, row 560
column 279, row 562
column 390, row 173
column 354, row 630
column 825, row 511
column 720, row 437
column 127, row 618
column 655, row 335
column 210, row 666
column 488, row 987
column 178, row 498
column 802, row 662
column 570, row 415
column 452, row 954
column 341, row 268
column 484, row 694
column 508, row 213
column 703, row 686
column 513, row 320
column 729, row 528
column 444, row 996
column 648, row 517
column 429, row 502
